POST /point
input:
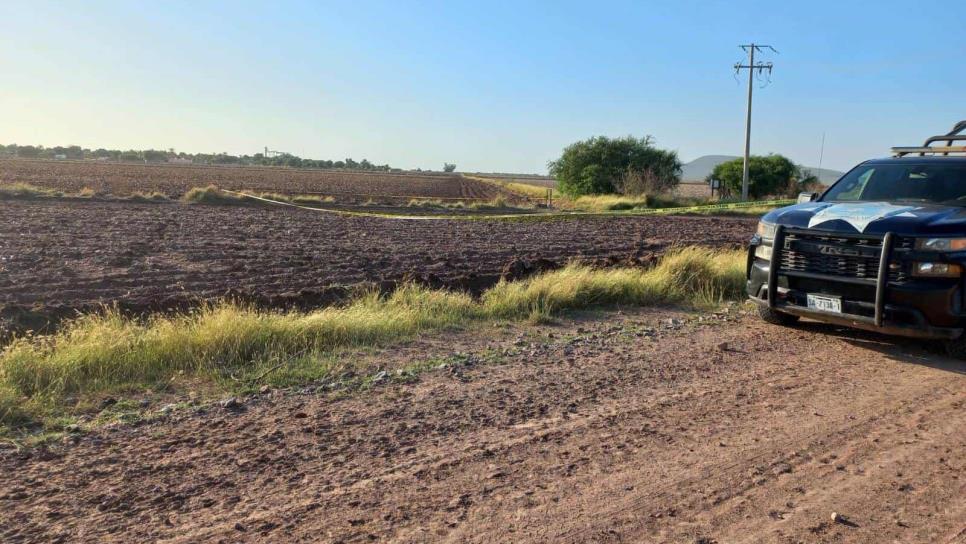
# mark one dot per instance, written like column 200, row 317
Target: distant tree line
column 156, row 156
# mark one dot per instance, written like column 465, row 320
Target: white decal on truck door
column 857, row 215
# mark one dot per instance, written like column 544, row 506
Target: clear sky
column 493, row 86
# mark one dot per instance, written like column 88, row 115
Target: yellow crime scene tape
column 728, row 206
column 650, row 211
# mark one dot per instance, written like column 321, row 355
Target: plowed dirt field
column 60, row 256
column 173, row 180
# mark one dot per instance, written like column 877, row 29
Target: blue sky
column 492, row 86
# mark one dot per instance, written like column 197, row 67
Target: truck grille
column 837, row 256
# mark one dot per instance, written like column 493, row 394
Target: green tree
column 767, row 175
column 28, row 151
column 130, row 155
column 449, row 167
column 597, row 165
column 75, row 152
column 153, row 155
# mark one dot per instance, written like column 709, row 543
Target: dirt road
column 622, row 427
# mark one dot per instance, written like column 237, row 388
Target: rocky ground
column 635, row 426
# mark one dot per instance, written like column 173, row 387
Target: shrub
column 770, row 175
column 597, row 165
column 643, row 182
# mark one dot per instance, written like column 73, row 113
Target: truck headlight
column 763, row 252
column 941, row 244
column 936, row 270
column 767, row 230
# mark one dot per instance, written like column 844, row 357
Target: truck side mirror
column 806, row 197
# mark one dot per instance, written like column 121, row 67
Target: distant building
column 179, row 160
column 60, row 156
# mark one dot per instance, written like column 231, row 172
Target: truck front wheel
column 956, row 347
column 776, row 318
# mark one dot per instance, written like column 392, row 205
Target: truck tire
column 776, row 318
column 956, row 348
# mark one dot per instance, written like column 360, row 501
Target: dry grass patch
column 498, row 203
column 233, row 346
column 694, row 276
column 602, row 203
column 213, row 195
column 312, row 199
column 20, row 190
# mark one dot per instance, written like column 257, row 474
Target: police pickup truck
column 882, row 249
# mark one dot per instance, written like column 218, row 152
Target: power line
column 761, row 68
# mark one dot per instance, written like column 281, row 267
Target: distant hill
column 699, row 168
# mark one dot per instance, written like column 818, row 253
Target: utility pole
column 761, row 67
column 821, row 154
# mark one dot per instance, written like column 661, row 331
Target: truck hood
column 872, row 218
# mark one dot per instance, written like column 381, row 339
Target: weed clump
column 312, row 199
column 21, row 190
column 498, row 203
column 212, row 195
column 153, row 196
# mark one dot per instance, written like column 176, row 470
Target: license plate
column 824, row 303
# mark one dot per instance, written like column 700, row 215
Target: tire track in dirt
column 787, row 457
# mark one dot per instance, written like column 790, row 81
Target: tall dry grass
column 21, row 190
column 227, row 344
column 214, row 196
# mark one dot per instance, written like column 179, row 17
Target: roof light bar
column 927, row 148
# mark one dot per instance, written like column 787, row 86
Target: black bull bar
column 881, row 283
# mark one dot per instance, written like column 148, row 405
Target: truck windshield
column 928, row 183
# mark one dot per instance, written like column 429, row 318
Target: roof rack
column 928, row 149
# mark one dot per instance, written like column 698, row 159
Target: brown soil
column 126, row 178
column 58, row 257
column 637, row 429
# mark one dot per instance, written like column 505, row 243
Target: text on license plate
column 825, row 304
